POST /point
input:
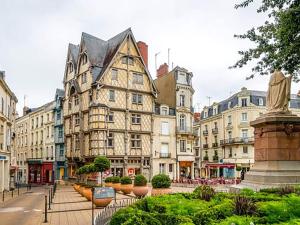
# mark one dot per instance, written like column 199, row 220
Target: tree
column 277, row 41
column 101, row 164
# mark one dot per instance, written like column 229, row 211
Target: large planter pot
column 108, row 184
column 102, row 202
column 160, row 191
column 140, row 191
column 126, row 188
column 116, row 186
column 76, row 187
column 87, row 192
column 81, row 190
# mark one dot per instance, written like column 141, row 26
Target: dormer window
column 70, row 67
column 164, row 111
column 83, row 59
column 215, row 111
column 260, row 102
column 244, row 102
column 205, row 114
column 229, row 105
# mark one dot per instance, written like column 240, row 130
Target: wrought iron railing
column 105, row 215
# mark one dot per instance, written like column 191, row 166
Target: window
column 137, row 99
column 70, row 104
column 229, row 135
column 182, row 122
column 111, row 95
column 110, row 139
column 58, row 115
column 215, row 111
column 61, row 150
column 77, row 142
column 77, row 120
column 128, row 59
column 245, row 149
column 76, row 102
column 32, row 123
column 244, row 102
column 137, row 78
column 114, row 74
column 165, row 128
column 136, row 141
column 181, row 100
column 83, row 78
column 216, row 125
column 182, row 145
column 164, row 150
column 42, row 120
column 260, row 102
column 37, row 122
column 205, row 114
column 244, row 133
column 206, row 127
column 229, row 105
column 83, row 59
column 229, row 118
column 70, row 67
column 162, row 168
column 60, row 132
column 170, row 168
column 230, row 153
column 164, row 111
column 110, row 117
column 135, row 118
column 244, row 117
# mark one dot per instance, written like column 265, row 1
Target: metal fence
column 105, row 215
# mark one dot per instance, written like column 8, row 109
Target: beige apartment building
column 109, row 104
column 226, row 137
column 35, row 144
column 8, row 103
column 175, row 90
column 164, row 141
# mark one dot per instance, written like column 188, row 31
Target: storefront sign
column 185, row 164
column 105, row 192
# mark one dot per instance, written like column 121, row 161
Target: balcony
column 184, row 130
column 215, row 130
column 237, row 140
column 205, row 146
column 215, row 145
column 229, row 126
column 164, row 155
column 205, row 132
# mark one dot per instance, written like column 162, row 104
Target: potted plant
column 116, row 183
column 140, row 188
column 101, row 165
column 108, row 182
column 101, row 202
column 87, row 192
column 126, row 185
column 160, row 184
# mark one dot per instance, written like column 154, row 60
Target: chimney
column 143, row 47
column 2, row 75
column 162, row 70
column 25, row 110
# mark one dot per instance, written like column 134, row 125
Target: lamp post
column 235, row 170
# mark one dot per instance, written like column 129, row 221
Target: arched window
column 182, row 122
column 83, row 59
column 70, row 67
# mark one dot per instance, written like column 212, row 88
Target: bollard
column 49, row 201
column 3, row 195
column 45, row 221
column 12, row 193
column 18, row 190
column 51, row 191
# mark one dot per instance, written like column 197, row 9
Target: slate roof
column 74, row 50
column 59, row 92
column 254, row 99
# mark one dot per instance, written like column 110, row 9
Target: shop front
column 185, row 169
column 216, row 170
column 40, row 172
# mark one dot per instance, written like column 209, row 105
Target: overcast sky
column 34, row 36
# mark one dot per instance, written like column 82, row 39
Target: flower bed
column 204, row 207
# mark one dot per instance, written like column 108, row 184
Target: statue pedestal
column 277, row 152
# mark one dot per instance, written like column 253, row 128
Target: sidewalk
column 70, row 208
column 8, row 195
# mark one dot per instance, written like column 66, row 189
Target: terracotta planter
column 102, row 202
column 108, row 184
column 81, row 190
column 160, row 191
column 116, row 186
column 126, row 188
column 87, row 192
column 76, row 187
column 140, row 191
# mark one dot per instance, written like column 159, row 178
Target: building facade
column 60, row 159
column 227, row 139
column 7, row 122
column 109, row 104
column 35, row 149
column 164, row 142
column 175, row 90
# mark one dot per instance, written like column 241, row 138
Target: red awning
column 220, row 165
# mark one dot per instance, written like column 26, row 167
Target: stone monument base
column 277, row 152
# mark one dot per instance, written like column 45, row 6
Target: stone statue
column 279, row 92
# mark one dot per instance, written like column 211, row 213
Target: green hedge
column 126, row 180
column 140, row 180
column 161, row 181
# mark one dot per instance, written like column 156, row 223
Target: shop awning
column 220, row 165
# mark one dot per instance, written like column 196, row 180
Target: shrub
column 244, row 206
column 140, row 180
column 204, row 192
column 108, row 179
column 115, row 179
column 126, row 180
column 161, row 181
